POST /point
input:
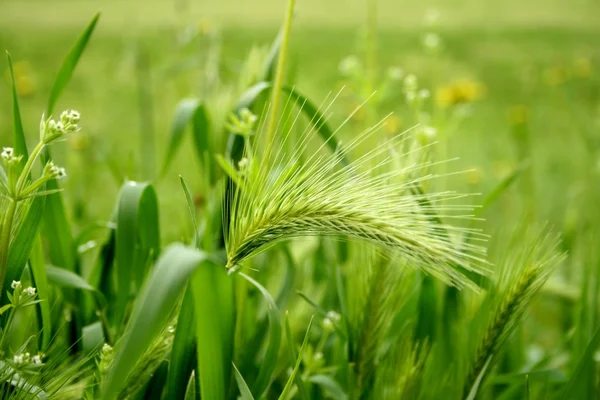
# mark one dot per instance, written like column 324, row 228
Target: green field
column 514, row 101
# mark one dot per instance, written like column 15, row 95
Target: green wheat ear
column 370, row 199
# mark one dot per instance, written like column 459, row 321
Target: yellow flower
column 555, row 76
column 392, row 124
column 583, row 67
column 24, row 80
column 474, row 175
column 459, row 92
column 518, row 115
column 502, row 169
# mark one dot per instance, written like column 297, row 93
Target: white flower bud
column 52, row 171
column 349, row 66
column 30, row 291
column 15, row 284
column 333, row 316
column 37, row 359
column 18, row 359
column 7, row 153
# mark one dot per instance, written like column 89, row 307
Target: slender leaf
column 18, row 132
column 245, row 392
column 291, row 379
column 330, row 386
column 582, row 379
column 269, row 362
column 191, row 209
column 65, row 278
column 40, row 279
column 183, row 354
column 69, row 63
column 183, row 115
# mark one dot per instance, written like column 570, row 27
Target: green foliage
column 332, row 254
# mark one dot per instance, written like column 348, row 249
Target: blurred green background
column 536, row 64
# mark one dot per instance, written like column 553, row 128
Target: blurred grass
column 509, row 46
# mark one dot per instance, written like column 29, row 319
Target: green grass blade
column 92, row 337
column 151, row 310
column 22, row 244
column 137, row 239
column 183, row 115
column 330, row 386
column 69, row 279
column 269, row 362
column 215, row 322
column 582, row 380
column 293, row 357
column 18, row 132
column 271, row 62
column 245, row 393
column 201, row 136
column 291, row 379
column 505, row 184
column 191, row 209
column 57, row 230
column 473, row 392
column 427, row 311
column 40, row 279
column 183, row 354
column 69, row 63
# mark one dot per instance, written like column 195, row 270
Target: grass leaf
column 151, row 310
column 18, row 133
column 291, row 379
column 69, row 63
column 245, row 393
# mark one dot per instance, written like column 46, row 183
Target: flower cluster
column 52, row 171
column 9, row 157
column 24, row 359
column 50, row 129
column 242, row 122
column 22, row 296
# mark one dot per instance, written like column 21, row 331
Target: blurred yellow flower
column 459, row 92
column 24, row 80
column 78, row 141
column 474, row 175
column 518, row 115
column 205, row 26
column 502, row 169
column 583, row 67
column 392, row 124
column 555, row 76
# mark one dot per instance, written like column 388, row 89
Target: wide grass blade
column 68, row 279
column 215, row 322
column 152, row 308
column 137, row 239
column 269, row 362
column 69, row 63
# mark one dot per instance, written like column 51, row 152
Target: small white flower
column 432, row 16
column 15, row 284
column 349, row 65
column 432, row 41
column 37, row 359
column 171, row 329
column 70, row 117
column 430, row 131
column 53, row 171
column 243, row 163
column 30, row 291
column 395, row 73
column 327, row 324
column 333, row 316
column 61, row 173
column 7, row 153
column 106, row 348
column 18, row 359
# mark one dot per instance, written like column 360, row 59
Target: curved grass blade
column 271, row 62
column 269, row 362
column 69, row 63
column 330, row 386
column 152, row 308
column 69, row 279
column 292, row 378
column 137, row 239
column 502, row 186
column 18, row 132
column 183, row 114
column 183, row 353
column 245, row 393
column 191, row 209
